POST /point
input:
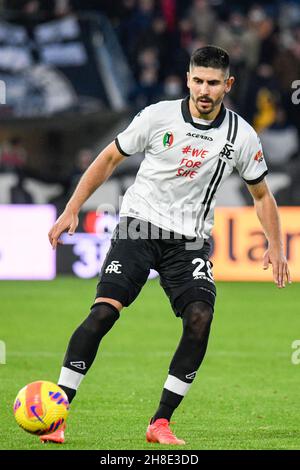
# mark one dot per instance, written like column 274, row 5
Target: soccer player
column 191, row 146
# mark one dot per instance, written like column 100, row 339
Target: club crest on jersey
column 227, row 150
column 168, row 139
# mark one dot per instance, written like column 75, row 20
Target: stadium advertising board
column 239, row 244
column 25, row 252
column 237, row 248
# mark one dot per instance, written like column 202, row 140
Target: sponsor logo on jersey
column 113, row 267
column 79, row 365
column 259, row 156
column 168, row 139
column 199, row 136
column 227, row 150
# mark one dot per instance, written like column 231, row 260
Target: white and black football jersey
column 185, row 163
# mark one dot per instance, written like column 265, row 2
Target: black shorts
column 185, row 274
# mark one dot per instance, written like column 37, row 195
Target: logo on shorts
column 168, row 139
column 113, row 267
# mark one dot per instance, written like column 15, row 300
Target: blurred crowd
column 263, row 41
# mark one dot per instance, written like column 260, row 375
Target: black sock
column 70, row 392
column 84, row 343
column 189, row 355
column 168, row 403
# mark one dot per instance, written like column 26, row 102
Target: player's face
column 207, row 90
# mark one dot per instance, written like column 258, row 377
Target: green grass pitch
column 245, row 396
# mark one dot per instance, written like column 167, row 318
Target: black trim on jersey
column 120, row 149
column 214, row 189
column 212, row 182
column 218, row 174
column 232, row 130
column 257, row 180
column 229, row 126
column 235, row 128
column 188, row 117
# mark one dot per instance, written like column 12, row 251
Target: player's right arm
column 96, row 174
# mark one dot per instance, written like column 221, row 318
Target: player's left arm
column 268, row 215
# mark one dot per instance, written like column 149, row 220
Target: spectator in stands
column 62, row 8
column 31, row 7
column 262, row 95
column 287, row 70
column 185, row 33
column 147, row 90
column 144, row 14
column 122, row 20
column 203, row 19
column 169, row 10
column 181, row 54
column 243, row 46
column 266, row 30
column 172, row 87
column 147, row 58
column 13, row 156
column 138, row 22
column 157, row 39
column 287, row 61
column 236, row 33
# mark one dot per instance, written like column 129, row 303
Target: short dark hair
column 210, row 56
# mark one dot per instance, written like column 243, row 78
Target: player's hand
column 276, row 258
column 68, row 220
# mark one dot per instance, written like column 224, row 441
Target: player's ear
column 228, row 84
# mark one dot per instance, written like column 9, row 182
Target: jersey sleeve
column 251, row 164
column 135, row 137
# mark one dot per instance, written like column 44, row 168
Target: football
column 41, row 407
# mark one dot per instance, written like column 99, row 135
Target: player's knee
column 104, row 311
column 102, row 317
column 197, row 318
column 108, row 300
